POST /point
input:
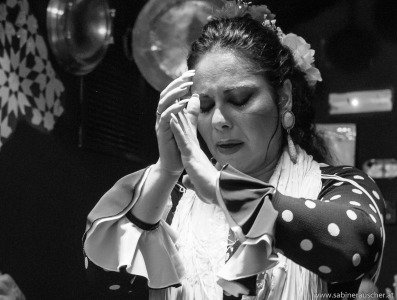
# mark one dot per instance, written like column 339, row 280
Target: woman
column 292, row 227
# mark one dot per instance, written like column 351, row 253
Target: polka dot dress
column 338, row 237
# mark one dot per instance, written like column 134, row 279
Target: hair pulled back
column 260, row 45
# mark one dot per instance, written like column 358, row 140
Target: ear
column 285, row 96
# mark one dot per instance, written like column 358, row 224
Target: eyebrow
column 226, row 91
column 231, row 89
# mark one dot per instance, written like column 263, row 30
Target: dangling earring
column 288, row 122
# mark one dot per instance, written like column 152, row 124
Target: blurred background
column 78, row 111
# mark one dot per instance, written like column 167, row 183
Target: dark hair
column 260, row 44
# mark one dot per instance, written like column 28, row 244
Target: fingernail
column 189, row 73
column 196, row 96
column 174, row 118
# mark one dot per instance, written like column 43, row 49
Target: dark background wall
column 49, row 182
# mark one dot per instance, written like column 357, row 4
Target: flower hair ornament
column 300, row 49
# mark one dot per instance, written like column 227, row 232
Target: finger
column 172, row 95
column 184, row 122
column 193, row 109
column 174, row 108
column 189, row 129
column 181, row 79
column 178, row 132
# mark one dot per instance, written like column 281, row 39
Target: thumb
column 193, row 110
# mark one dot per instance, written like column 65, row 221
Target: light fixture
column 360, row 102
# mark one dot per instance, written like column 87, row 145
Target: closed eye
column 206, row 106
column 240, row 102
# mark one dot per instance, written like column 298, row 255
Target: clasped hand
column 179, row 148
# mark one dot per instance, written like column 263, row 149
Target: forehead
column 223, row 69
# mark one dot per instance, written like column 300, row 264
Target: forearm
column 154, row 196
column 337, row 241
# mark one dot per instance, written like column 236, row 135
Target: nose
column 220, row 119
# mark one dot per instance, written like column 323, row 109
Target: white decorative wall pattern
column 29, row 87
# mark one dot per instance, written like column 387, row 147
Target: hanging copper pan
column 162, row 35
column 79, row 33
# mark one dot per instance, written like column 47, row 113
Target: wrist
column 163, row 170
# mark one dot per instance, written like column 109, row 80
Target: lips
column 229, row 146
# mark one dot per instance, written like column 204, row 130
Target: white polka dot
column 333, row 229
column 358, row 277
column 358, row 177
column 357, row 191
column 114, row 287
column 376, row 195
column 355, row 203
column 376, row 256
column 306, row 245
column 335, row 197
column 86, row 262
column 310, row 204
column 370, row 239
column 324, row 269
column 373, row 208
column 351, row 214
column 287, row 215
column 356, row 259
column 373, row 218
column 338, row 183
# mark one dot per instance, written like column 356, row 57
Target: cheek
column 260, row 128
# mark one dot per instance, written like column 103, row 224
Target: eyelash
column 241, row 105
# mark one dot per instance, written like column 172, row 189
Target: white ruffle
column 112, row 241
column 151, row 254
column 252, row 257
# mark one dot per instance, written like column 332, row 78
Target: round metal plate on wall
column 79, row 33
column 163, row 33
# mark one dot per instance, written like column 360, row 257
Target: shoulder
column 342, row 171
column 349, row 181
column 347, row 174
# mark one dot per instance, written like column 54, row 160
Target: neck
column 265, row 173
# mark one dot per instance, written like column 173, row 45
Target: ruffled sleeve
column 115, row 244
column 246, row 202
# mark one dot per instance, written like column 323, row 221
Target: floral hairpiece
column 303, row 54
